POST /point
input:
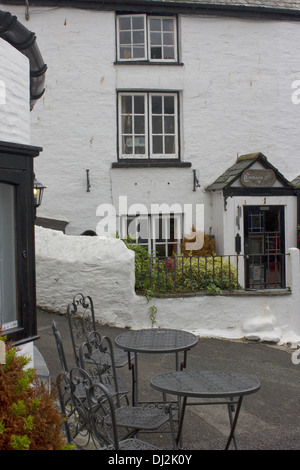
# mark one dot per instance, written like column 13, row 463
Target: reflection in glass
column 8, row 295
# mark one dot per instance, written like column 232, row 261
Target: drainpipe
column 298, row 213
column 12, row 31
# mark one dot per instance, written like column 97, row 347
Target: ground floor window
column 158, row 233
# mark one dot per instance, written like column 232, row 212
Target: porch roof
column 243, row 163
column 296, row 181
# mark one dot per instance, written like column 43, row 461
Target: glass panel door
column 8, row 296
column 264, row 247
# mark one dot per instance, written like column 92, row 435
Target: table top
column 156, row 340
column 205, row 384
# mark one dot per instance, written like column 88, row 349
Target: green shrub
column 29, row 418
column 181, row 274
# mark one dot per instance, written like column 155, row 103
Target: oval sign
column 258, row 178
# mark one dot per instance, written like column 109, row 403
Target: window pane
column 127, row 148
column 8, row 292
column 126, row 124
column 156, row 53
column 169, row 125
column 126, row 104
column 125, row 52
column 169, row 104
column 157, row 141
column 124, row 22
column 138, row 37
column 155, row 39
column 138, row 52
column 169, row 53
column 139, row 145
column 169, row 144
column 168, row 39
column 168, row 24
column 138, row 22
column 155, row 24
column 156, row 105
column 139, row 105
column 157, row 127
column 125, row 37
column 139, row 125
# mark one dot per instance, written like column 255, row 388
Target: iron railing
column 213, row 274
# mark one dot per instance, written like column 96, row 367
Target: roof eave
column 178, row 5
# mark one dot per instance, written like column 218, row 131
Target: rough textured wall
column 14, row 95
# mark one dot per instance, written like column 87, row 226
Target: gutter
column 12, row 31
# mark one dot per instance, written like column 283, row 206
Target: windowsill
column 151, row 164
column 147, row 62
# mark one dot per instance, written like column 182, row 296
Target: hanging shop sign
column 258, row 178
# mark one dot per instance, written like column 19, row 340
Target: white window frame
column 131, row 45
column 161, row 18
column 147, row 39
column 165, row 219
column 133, row 134
column 153, row 231
column 149, row 155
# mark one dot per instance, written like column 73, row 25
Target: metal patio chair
column 91, row 423
column 82, row 324
column 102, row 374
column 133, row 418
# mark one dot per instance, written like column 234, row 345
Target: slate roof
column 273, row 4
column 243, row 163
column 287, row 6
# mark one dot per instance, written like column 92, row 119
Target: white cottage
column 150, row 106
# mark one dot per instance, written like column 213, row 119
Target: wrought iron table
column 154, row 341
column 209, row 385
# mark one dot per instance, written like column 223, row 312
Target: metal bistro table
column 154, row 341
column 210, row 385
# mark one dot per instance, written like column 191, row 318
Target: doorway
column 264, row 241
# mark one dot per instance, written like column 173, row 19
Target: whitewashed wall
column 14, row 95
column 104, row 269
column 235, row 87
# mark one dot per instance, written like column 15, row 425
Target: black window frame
column 16, row 168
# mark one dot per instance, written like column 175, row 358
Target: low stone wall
column 104, row 269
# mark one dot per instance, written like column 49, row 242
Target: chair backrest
column 96, row 357
column 91, row 421
column 60, row 348
column 102, row 417
column 81, row 320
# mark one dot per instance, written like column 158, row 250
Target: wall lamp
column 38, row 191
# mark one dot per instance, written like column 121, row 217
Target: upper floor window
column 148, row 125
column 147, row 38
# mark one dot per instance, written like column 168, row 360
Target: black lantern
column 38, row 191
